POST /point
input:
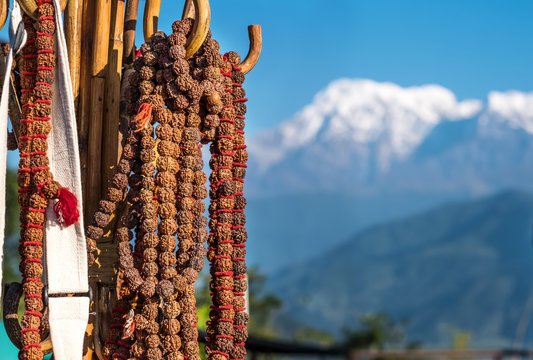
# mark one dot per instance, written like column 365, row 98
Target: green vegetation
column 10, row 265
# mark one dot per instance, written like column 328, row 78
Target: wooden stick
column 201, row 27
column 73, row 29
column 84, row 105
column 130, row 22
column 202, row 16
column 4, row 5
column 151, row 17
column 188, row 10
column 111, row 135
column 30, row 7
column 256, row 43
column 98, row 75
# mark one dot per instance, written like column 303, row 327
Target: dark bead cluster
column 227, row 327
column 189, row 102
column 36, row 183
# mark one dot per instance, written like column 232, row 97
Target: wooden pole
column 73, row 29
column 256, row 44
column 84, row 97
column 111, row 136
column 130, row 22
column 98, row 75
column 150, row 18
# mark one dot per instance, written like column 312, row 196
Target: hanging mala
column 189, row 102
column 227, row 327
column 37, row 186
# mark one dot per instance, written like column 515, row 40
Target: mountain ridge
column 448, row 267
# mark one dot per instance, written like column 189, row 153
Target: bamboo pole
column 85, row 94
column 73, row 29
column 150, row 18
column 111, row 136
column 130, row 22
column 98, row 75
column 256, row 43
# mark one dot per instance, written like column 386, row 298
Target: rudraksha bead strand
column 220, row 332
column 239, row 234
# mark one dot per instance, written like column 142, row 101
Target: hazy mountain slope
column 365, row 152
column 466, row 264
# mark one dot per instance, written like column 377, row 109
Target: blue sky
column 468, row 46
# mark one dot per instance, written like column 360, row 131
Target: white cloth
column 66, row 254
column 14, row 30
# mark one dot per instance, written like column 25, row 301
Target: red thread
column 34, row 313
column 45, row 51
column 39, row 261
column 122, row 343
column 220, row 353
column 44, row 101
column 33, row 296
column 31, row 346
column 29, row 73
column 29, row 329
column 66, row 209
column 30, row 243
column 224, row 273
column 45, row 68
column 143, row 116
column 31, row 226
column 241, row 100
column 43, row 83
column 41, row 33
column 32, row 56
column 224, row 337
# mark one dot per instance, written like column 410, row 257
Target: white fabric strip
column 66, row 254
column 4, row 102
column 68, row 330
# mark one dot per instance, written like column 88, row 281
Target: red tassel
column 143, row 116
column 66, row 208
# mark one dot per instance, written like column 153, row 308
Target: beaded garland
column 37, row 186
column 189, row 102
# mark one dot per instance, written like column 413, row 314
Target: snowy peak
column 512, row 109
column 393, row 119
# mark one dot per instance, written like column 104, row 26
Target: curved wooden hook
column 13, row 293
column 255, row 34
column 30, row 7
column 4, row 5
column 202, row 19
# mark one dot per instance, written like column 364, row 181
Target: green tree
column 11, row 258
column 378, row 331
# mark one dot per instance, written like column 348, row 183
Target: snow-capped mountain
column 360, row 135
